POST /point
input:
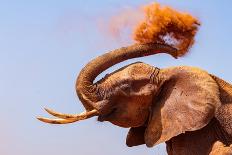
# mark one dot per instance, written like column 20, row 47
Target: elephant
column 186, row 107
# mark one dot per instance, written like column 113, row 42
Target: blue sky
column 44, row 45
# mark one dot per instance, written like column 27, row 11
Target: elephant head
column 157, row 104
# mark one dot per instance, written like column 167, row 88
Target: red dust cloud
column 165, row 25
column 120, row 26
column 157, row 24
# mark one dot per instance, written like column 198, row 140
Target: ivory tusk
column 57, row 120
column 67, row 118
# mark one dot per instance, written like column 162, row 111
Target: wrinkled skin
column 185, row 107
column 131, row 97
column 201, row 132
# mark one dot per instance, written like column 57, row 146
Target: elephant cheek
column 122, row 124
column 136, row 120
column 119, row 120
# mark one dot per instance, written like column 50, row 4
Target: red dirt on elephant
column 165, row 25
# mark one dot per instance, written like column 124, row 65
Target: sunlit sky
column 45, row 44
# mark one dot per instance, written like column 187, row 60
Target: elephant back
column 225, row 90
column 224, row 112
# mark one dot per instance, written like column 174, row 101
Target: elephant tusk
column 67, row 118
column 56, row 121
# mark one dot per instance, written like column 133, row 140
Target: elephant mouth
column 105, row 117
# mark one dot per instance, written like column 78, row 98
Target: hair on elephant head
column 156, row 104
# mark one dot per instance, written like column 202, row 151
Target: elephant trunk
column 87, row 91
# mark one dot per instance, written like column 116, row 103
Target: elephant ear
column 187, row 102
column 135, row 136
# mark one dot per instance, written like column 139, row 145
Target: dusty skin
column 186, row 107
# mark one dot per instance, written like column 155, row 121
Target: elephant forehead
column 126, row 74
column 139, row 70
column 114, row 79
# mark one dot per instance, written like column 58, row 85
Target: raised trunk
column 85, row 88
